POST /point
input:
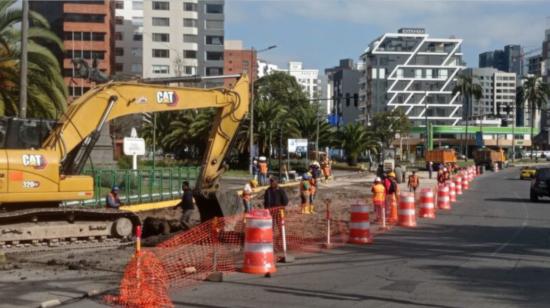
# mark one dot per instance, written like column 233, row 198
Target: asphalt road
column 491, row 250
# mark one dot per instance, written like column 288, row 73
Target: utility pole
column 23, row 65
column 426, row 121
column 317, row 135
column 514, row 134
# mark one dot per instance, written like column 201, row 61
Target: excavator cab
column 17, row 133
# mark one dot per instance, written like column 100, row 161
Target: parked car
column 540, row 185
column 527, row 172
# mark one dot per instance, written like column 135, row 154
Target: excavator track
column 65, row 228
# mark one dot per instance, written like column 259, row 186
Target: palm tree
column 535, row 93
column 354, row 139
column 306, row 119
column 467, row 88
column 47, row 92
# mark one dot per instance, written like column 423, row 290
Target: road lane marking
column 518, row 231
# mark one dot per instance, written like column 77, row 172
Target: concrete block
column 215, row 277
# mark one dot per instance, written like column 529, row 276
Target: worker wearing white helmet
column 378, row 197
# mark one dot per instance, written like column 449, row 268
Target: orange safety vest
column 413, row 180
column 378, row 193
column 263, row 167
column 312, row 185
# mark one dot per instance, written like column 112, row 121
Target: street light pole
column 514, row 135
column 426, row 121
column 317, row 135
column 253, row 53
column 24, row 64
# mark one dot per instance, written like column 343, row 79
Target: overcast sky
column 320, row 32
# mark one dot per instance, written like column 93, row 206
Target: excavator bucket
column 217, row 204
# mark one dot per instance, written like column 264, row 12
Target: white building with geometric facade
column 411, row 71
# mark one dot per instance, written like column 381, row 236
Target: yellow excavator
column 34, row 181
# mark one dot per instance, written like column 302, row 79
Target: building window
column 137, row 21
column 214, row 71
column 190, row 70
column 119, row 52
column 161, row 53
column 214, row 40
column 189, row 54
column 382, row 73
column 418, row 73
column 190, row 38
column 214, row 8
column 443, row 74
column 84, row 36
column 429, row 73
column 119, row 5
column 161, row 37
column 189, row 7
column 138, row 37
column 136, row 52
column 214, row 55
column 119, row 20
column 374, row 74
column 118, row 36
column 214, row 25
column 161, row 5
column 85, row 54
column 189, row 22
column 119, row 67
column 136, row 68
column 161, row 69
column 161, row 21
column 137, row 5
column 75, row 17
column 400, row 73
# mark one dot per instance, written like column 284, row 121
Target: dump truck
column 443, row 156
column 489, row 158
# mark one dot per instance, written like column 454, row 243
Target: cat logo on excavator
column 169, row 98
column 34, row 160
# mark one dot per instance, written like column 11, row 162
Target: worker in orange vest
column 305, row 194
column 414, row 182
column 378, row 197
column 391, row 197
column 247, row 197
column 312, row 192
column 262, row 165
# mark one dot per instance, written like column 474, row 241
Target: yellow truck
column 489, row 158
column 443, row 156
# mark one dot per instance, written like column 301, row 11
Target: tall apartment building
column 498, row 92
column 411, row 71
column 343, row 84
column 535, row 65
column 265, row 68
column 307, row 78
column 238, row 60
column 86, row 28
column 183, row 38
column 129, row 38
column 546, row 56
column 509, row 59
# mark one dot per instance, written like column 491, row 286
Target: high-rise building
column 307, row 78
column 498, row 97
column 343, row 83
column 129, row 37
column 535, row 65
column 546, row 56
column 509, row 59
column 411, row 71
column 87, row 31
column 238, row 60
column 265, row 68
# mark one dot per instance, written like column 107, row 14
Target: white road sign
column 297, row 145
column 133, row 146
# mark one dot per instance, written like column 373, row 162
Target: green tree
column 354, row 139
column 47, row 92
column 467, row 89
column 280, row 88
column 536, row 94
column 306, row 120
column 386, row 125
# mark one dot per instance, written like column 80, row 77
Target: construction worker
column 447, row 174
column 263, row 170
column 378, row 197
column 247, row 197
column 414, row 182
column 113, row 200
column 255, row 170
column 187, row 206
column 392, row 191
column 312, row 192
column 440, row 177
column 325, row 166
column 304, row 194
column 430, row 169
column 274, row 196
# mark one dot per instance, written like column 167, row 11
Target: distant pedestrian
column 304, row 194
column 263, row 170
column 113, row 199
column 398, row 173
column 255, row 170
column 187, row 206
column 247, row 197
column 430, row 169
column 275, row 196
column 414, row 182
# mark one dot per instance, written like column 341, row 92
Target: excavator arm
column 85, row 117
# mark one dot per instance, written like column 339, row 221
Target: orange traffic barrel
column 465, row 183
column 452, row 191
column 443, row 200
column 359, row 225
column 427, row 207
column 258, row 243
column 407, row 210
column 458, row 184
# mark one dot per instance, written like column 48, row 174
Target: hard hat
column 445, row 169
column 115, row 188
column 391, row 174
column 378, row 179
column 262, row 158
column 309, row 174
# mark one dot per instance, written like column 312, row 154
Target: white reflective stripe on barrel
column 359, row 225
column 259, row 223
column 428, row 194
column 258, row 247
column 407, row 199
column 444, row 198
column 407, row 212
column 356, row 208
column 427, row 205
